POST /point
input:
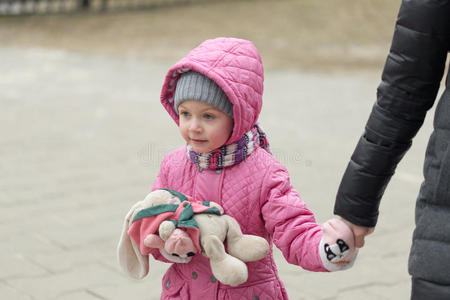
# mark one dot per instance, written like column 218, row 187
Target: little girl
column 214, row 95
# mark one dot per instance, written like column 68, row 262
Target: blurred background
column 82, row 132
column 289, row 34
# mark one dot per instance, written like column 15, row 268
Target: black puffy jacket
column 410, row 83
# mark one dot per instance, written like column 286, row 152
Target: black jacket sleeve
column 410, row 82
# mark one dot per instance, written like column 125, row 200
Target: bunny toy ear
column 130, row 258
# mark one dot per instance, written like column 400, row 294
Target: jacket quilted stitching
column 256, row 192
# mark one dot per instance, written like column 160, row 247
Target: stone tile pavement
column 81, row 138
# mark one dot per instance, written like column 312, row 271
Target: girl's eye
column 208, row 116
column 184, row 114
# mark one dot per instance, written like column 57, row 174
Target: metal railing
column 29, row 7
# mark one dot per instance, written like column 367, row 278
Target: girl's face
column 203, row 126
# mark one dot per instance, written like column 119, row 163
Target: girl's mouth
column 196, row 141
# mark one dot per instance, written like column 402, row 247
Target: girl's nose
column 195, row 125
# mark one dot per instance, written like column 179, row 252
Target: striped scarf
column 229, row 155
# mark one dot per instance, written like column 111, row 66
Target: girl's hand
column 337, row 248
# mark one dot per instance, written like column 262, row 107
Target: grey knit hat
column 196, row 86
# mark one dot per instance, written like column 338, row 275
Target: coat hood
column 236, row 66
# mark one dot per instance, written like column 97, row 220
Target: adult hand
column 359, row 232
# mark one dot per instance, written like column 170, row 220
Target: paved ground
column 81, row 140
column 307, row 34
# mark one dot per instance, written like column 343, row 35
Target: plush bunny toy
column 180, row 227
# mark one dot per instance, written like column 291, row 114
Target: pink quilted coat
column 256, row 192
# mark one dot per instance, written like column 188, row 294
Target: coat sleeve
column 410, row 82
column 160, row 182
column 290, row 223
column 161, row 179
